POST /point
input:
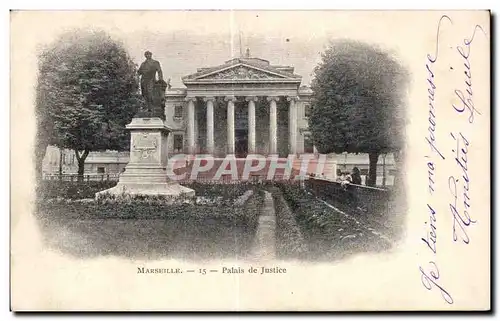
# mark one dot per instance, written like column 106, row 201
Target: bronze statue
column 152, row 90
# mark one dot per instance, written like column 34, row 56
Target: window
column 101, row 170
column 178, row 143
column 308, row 144
column 307, row 110
column 178, row 112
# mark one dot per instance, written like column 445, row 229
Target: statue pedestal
column 146, row 172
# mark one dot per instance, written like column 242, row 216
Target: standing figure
column 356, row 176
column 147, row 71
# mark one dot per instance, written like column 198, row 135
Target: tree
column 87, row 92
column 358, row 99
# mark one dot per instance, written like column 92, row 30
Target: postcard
column 250, row 160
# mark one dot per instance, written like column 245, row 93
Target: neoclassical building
column 244, row 106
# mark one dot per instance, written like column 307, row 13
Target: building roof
column 305, row 91
column 244, row 69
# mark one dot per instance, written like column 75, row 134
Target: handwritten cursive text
column 466, row 99
column 461, row 219
column 430, row 281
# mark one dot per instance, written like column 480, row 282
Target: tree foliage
column 87, row 92
column 358, row 101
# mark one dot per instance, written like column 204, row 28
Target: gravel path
column 265, row 238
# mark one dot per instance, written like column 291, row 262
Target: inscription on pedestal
column 145, row 146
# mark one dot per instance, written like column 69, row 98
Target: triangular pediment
column 240, row 72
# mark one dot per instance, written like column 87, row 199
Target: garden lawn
column 149, row 229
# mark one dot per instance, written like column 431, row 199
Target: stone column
column 292, row 125
column 273, row 125
column 251, row 124
column 210, row 124
column 190, row 125
column 230, row 124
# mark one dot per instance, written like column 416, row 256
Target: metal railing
column 227, row 179
column 85, row 177
column 224, row 179
column 371, row 199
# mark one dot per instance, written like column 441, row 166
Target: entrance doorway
column 241, row 143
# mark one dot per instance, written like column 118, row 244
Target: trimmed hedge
column 148, row 207
column 80, row 190
column 225, row 191
column 142, row 210
column 314, row 216
column 71, row 190
column 289, row 239
column 328, row 234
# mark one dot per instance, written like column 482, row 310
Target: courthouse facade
column 244, row 106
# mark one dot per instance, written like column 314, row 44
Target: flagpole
column 241, row 53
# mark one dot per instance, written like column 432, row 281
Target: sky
column 183, row 41
column 181, row 58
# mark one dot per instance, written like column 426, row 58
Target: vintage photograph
column 247, row 144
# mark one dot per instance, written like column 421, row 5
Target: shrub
column 108, row 198
column 139, row 206
column 311, row 212
column 328, row 233
column 225, row 191
column 71, row 190
column 289, row 239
